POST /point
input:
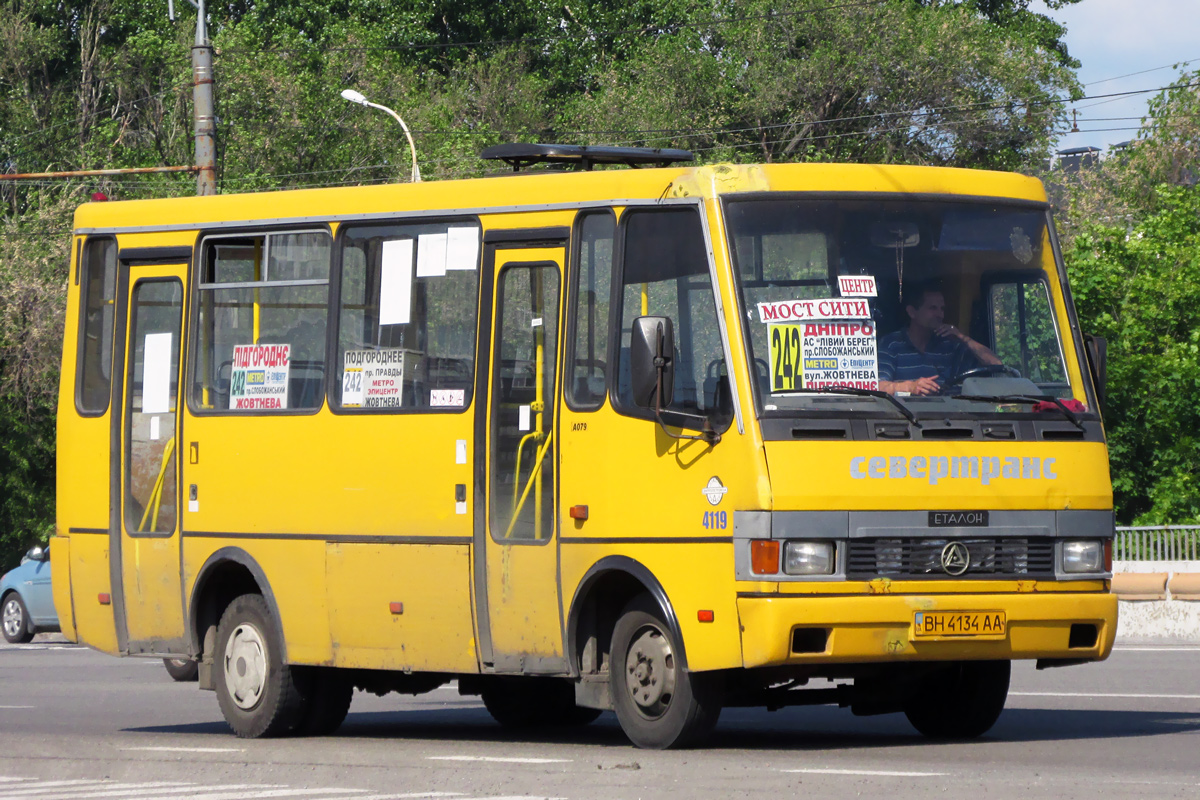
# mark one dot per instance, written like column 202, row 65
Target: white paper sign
column 447, row 398
column 523, row 422
column 260, row 376
column 824, row 308
column 431, row 255
column 395, row 282
column 462, row 248
column 373, row 378
column 155, row 428
column 839, row 354
column 156, row 374
column 857, row 286
column 460, row 451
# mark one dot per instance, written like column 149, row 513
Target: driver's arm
column 982, row 354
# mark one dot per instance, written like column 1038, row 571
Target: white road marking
column 40, row 787
column 1102, row 695
column 223, row 794
column 17, row 707
column 868, row 772
column 500, row 760
column 409, row 796
column 104, row 789
column 187, row 749
column 1151, row 649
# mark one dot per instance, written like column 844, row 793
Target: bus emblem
column 956, row 558
column 715, row 490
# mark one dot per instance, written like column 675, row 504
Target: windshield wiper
column 903, row 409
column 1025, row 398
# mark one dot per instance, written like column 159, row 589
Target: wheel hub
column 650, row 672
column 246, row 666
column 12, row 619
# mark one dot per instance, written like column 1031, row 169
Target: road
column 77, row 725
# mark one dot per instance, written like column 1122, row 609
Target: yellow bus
column 657, row 440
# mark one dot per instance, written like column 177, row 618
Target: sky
column 1113, row 38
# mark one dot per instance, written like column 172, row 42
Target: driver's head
column 926, row 306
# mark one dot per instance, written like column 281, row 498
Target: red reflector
column 396, row 608
column 99, row 197
column 704, row 616
column 1108, row 555
column 764, row 557
column 579, row 512
column 105, row 598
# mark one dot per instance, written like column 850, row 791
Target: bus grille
column 922, row 558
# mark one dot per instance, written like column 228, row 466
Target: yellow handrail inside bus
column 534, row 477
column 155, row 500
column 257, row 277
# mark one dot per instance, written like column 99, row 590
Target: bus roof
column 544, row 190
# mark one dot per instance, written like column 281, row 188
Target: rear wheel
column 15, row 620
column 182, row 669
column 329, row 697
column 658, row 702
column 531, row 702
column 962, row 701
column 259, row 694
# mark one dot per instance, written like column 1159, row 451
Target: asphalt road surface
column 77, row 725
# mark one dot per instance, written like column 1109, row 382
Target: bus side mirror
column 652, row 362
column 1097, row 354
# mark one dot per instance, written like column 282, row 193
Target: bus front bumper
column 781, row 630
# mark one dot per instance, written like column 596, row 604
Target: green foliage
column 1140, row 288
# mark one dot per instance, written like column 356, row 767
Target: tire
column 330, row 694
column 658, row 702
column 535, row 702
column 960, row 702
column 182, row 669
column 260, row 695
column 15, row 620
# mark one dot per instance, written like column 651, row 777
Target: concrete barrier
column 1157, row 600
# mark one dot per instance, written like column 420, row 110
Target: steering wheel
column 983, row 371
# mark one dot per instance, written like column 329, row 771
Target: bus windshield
column 947, row 306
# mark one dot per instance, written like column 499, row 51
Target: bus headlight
column 1083, row 556
column 808, row 558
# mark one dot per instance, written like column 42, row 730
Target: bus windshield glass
column 947, row 306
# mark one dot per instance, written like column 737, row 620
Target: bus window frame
column 193, row 298
column 616, row 303
column 83, row 273
column 335, row 299
column 573, row 274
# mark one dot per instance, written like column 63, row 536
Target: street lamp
column 356, row 97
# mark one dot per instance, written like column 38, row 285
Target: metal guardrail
column 1157, row 543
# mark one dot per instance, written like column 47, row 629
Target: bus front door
column 147, row 492
column 517, row 582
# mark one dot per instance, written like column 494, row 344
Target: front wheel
column 182, row 669
column 259, row 693
column 962, row 701
column 15, row 620
column 659, row 703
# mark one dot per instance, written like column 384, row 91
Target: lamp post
column 356, row 97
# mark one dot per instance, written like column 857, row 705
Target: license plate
column 941, row 624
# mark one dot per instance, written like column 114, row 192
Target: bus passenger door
column 151, row 593
column 517, row 584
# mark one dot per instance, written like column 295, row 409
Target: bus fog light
column 1083, row 556
column 808, row 558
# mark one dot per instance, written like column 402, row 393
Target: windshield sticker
column 446, row 398
column 373, row 378
column 815, row 356
column 826, row 308
column 259, row 379
column 462, row 248
column 857, row 286
column 395, row 282
column 431, row 255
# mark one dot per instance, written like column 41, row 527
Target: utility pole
column 202, row 103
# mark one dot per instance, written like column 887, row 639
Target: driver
column 920, row 358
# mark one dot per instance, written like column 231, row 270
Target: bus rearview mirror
column 651, row 356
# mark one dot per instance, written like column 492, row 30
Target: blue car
column 26, row 604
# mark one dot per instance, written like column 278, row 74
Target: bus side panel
column 90, row 578
column 295, row 575
column 431, row 628
column 60, row 585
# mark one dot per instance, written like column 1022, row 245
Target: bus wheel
column 530, row 702
column 256, row 689
column 182, row 669
column 329, row 698
column 658, row 702
column 962, row 701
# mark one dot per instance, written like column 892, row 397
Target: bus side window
column 406, row 325
column 664, row 272
column 591, row 300
column 95, row 341
column 263, row 309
